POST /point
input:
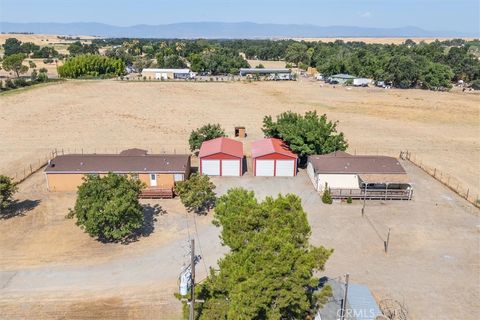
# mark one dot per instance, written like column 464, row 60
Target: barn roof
column 221, row 145
column 119, row 163
column 356, row 164
column 263, row 70
column 166, row 70
column 271, row 145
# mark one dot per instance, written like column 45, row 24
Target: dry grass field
column 43, row 39
column 441, row 129
column 53, row 270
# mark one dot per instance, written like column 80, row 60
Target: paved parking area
column 432, row 266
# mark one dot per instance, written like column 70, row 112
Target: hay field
column 43, row 39
column 439, row 128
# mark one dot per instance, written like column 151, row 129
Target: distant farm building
column 221, row 157
column 273, row 158
column 362, row 82
column 167, row 74
column 340, row 78
column 270, row 74
column 159, row 172
column 373, row 177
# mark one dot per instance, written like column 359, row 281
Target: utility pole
column 344, row 304
column 192, row 285
column 364, row 199
column 388, row 241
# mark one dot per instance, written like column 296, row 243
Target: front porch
column 157, row 193
column 373, row 194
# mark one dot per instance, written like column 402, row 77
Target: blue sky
column 453, row 15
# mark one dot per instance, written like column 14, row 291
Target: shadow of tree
column 18, row 208
column 150, row 214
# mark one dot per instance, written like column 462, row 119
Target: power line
column 200, row 246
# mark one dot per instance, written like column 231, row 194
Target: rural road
column 158, row 266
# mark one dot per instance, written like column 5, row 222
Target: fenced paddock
column 449, row 181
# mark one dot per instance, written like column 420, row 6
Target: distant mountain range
column 222, row 30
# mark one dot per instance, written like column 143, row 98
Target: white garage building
column 221, row 157
column 167, row 74
column 373, row 177
column 273, row 158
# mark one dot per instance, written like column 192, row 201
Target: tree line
column 85, row 66
column 432, row 65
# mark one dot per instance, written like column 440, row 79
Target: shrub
column 7, row 190
column 42, row 77
column 20, row 82
column 327, row 195
column 197, row 193
column 349, row 200
column 475, row 84
column 10, row 84
column 107, row 207
column 34, row 75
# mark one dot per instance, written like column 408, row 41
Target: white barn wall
column 337, row 181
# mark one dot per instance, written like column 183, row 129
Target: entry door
column 211, row 167
column 153, row 180
column 231, row 168
column 264, row 168
column 285, row 168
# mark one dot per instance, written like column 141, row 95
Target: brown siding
column 145, row 178
column 165, row 180
column 70, row 181
column 64, row 181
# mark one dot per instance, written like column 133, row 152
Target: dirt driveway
column 433, row 261
column 51, row 269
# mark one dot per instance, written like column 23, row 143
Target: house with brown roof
column 159, row 172
column 346, row 175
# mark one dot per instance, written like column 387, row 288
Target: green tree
column 268, row 273
column 296, row 53
column 14, row 63
column 196, row 193
column 403, row 71
column 34, row 75
column 107, row 207
column 305, row 135
column 91, row 66
column 7, row 190
column 28, row 47
column 436, row 76
column 204, row 133
column 327, row 195
column 77, row 48
column 12, row 46
column 170, row 61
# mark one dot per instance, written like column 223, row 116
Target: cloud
column 365, row 14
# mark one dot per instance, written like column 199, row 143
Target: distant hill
column 223, row 30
